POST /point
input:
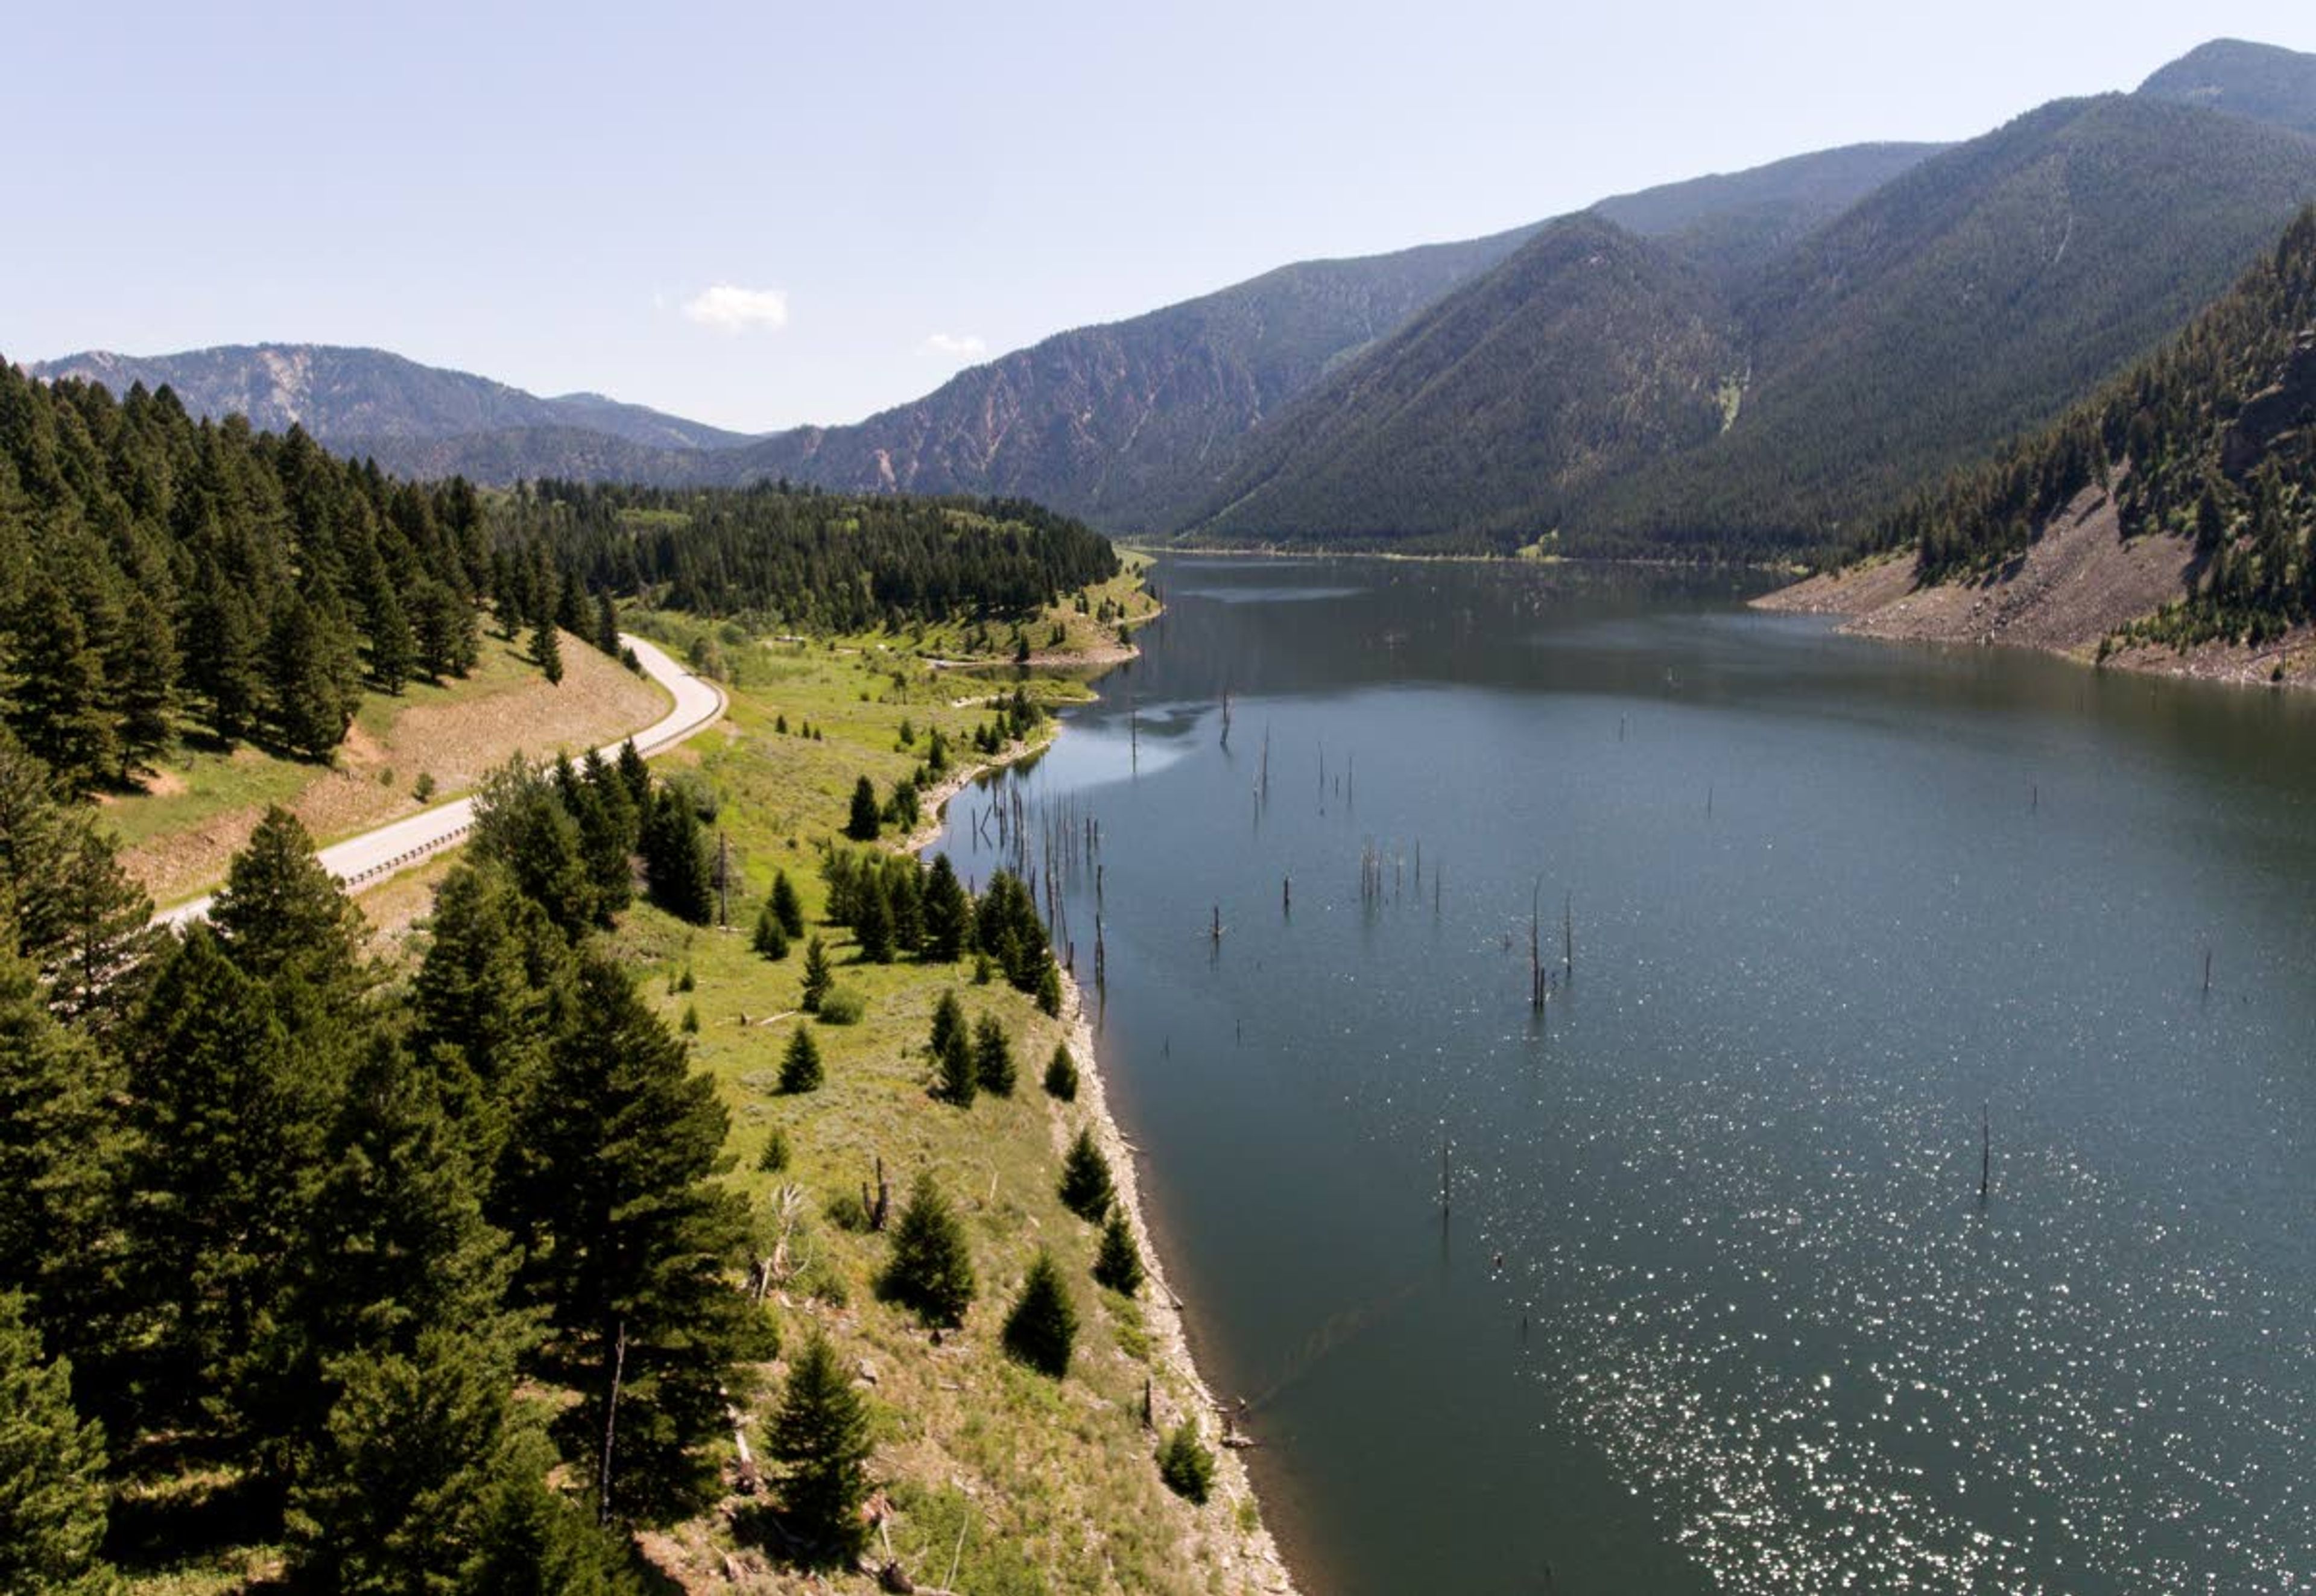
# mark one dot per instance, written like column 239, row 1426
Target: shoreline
column 1179, row 1388
column 1870, row 602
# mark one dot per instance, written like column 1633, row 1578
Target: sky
column 762, row 215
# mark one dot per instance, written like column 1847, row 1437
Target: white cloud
column 730, row 310
column 966, row 346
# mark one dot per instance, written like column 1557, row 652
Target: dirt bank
column 2080, row 582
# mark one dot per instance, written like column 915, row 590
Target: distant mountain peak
column 2262, row 82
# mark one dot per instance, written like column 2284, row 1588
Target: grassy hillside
column 200, row 806
column 1046, row 1486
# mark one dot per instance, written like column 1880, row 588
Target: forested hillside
column 2258, row 81
column 805, row 559
column 1977, row 293
column 2213, row 439
column 1586, row 352
column 164, row 578
column 160, row 576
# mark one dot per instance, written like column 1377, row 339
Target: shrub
column 774, row 1158
column 1185, row 1464
column 843, row 1005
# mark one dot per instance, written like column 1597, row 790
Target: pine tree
column 397, row 1245
column 145, row 682
column 392, row 647
column 520, row 823
column 60, row 1147
column 79, row 916
column 675, row 861
column 401, row 1489
column 800, row 1062
column 956, row 1080
column 310, row 678
column 534, row 1542
column 627, row 1141
column 931, row 1271
column 1042, row 1326
column 1049, row 988
column 59, row 703
column 872, row 924
column 222, row 656
column 1062, row 1075
column 948, row 913
column 607, row 624
column 865, row 822
column 785, row 906
column 769, row 938
column 818, row 976
column 637, row 776
column 820, row 1436
column 993, row 1057
column 1118, row 1264
column 280, row 913
column 1086, row 1190
column 232, row 1114
column 949, row 1020
column 53, row 1490
column 547, row 652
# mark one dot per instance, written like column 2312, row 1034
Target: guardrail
column 387, row 867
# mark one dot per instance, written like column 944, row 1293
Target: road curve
column 375, row 855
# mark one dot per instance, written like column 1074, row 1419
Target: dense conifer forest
column 162, row 578
column 2212, row 439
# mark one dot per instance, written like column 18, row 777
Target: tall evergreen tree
column 232, row 1117
column 145, row 682
column 79, row 917
column 222, row 652
column 866, row 821
column 637, row 1233
column 675, row 860
column 607, row 624
column 637, row 776
column 872, row 923
column 954, row 1079
column 311, row 678
column 820, row 1437
column 52, row 1492
column 522, row 823
column 60, row 1149
column 402, row 1493
column 948, row 913
column 59, row 706
column 281, row 913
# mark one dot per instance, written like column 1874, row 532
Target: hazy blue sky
column 758, row 215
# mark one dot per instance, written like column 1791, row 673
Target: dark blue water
column 1714, row 1303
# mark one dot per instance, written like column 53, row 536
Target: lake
column 1712, row 1301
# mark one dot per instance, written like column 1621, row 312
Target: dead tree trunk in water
column 1986, row 1153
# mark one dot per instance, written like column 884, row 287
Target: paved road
column 373, row 856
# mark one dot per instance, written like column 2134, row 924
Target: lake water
column 1714, row 1304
